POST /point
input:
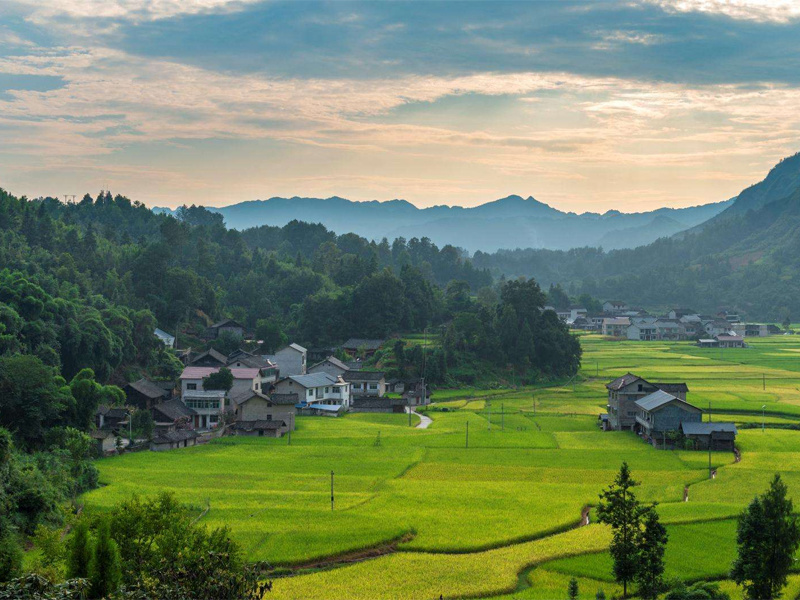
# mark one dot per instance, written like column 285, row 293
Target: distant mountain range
column 511, row 222
column 746, row 258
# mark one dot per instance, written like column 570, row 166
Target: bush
column 10, row 557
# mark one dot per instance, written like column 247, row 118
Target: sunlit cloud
column 779, row 11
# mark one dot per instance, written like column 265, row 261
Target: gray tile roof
column 256, row 425
column 658, row 399
column 708, row 428
column 170, row 437
column 312, row 380
column 672, row 388
column 335, row 362
column 356, row 343
column 174, row 409
column 363, row 375
column 148, row 388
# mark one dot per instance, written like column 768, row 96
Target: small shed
column 105, row 441
column 169, row 440
column 261, row 428
column 720, row 436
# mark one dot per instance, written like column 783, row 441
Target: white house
column 290, row 360
column 316, row 389
column 167, row 339
column 614, row 306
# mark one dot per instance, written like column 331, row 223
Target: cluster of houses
column 267, row 393
column 660, row 414
column 618, row 320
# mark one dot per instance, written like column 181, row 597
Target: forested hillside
column 85, row 284
column 748, row 261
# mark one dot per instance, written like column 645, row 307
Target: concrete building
column 290, row 360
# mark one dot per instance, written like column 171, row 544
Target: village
column 268, row 391
column 618, row 320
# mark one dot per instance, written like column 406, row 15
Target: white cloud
column 778, row 11
column 43, row 11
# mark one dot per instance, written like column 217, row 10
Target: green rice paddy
column 497, row 518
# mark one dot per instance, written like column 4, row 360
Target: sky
column 627, row 105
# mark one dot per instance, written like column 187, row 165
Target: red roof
column 201, row 372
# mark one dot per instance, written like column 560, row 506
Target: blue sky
column 586, row 106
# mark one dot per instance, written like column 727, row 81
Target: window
column 269, row 417
column 373, row 386
column 191, row 386
column 310, row 393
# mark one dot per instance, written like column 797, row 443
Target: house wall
column 290, row 361
column 330, row 394
column 364, row 388
column 258, row 409
column 670, row 417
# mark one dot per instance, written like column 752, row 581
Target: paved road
column 423, row 421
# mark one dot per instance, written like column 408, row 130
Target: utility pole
column 331, row 490
column 710, row 440
column 289, row 438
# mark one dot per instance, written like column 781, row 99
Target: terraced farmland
column 494, row 514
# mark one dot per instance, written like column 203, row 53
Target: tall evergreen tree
column 768, row 537
column 79, row 552
column 652, row 542
column 620, row 509
column 572, row 589
column 104, row 570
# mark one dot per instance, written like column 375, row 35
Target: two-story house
column 316, row 389
column 661, row 412
column 210, row 404
column 290, row 360
column 623, row 393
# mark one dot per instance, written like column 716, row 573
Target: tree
column 10, row 555
column 79, row 551
column 620, row 509
column 768, row 535
column 104, row 569
column 142, row 424
column 600, row 595
column 572, row 589
column 221, row 380
column 701, row 590
column 271, row 336
column 32, row 398
column 652, row 543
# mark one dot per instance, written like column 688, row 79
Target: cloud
column 47, row 11
column 777, row 11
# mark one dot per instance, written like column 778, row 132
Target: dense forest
column 85, row 284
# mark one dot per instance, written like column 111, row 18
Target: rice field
column 487, row 501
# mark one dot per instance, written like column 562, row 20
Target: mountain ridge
column 513, row 221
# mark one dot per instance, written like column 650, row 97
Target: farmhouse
column 366, row 383
column 145, row 393
column 331, row 365
column 166, row 338
column 111, row 417
column 417, row 394
column 105, row 442
column 319, row 389
column 623, row 393
column 361, row 347
column 730, row 341
column 616, row 326
column 226, row 325
column 290, row 360
column 614, row 306
column 209, row 358
column 260, row 415
column 207, row 405
column 721, row 436
column 661, row 412
column 171, row 414
column 170, row 440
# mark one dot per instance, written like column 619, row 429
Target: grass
column 493, row 519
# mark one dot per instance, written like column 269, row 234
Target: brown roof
column 218, row 356
column 621, row 382
column 169, row 437
column 174, row 409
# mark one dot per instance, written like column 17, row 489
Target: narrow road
column 423, row 420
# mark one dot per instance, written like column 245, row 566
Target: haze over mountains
column 510, row 222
